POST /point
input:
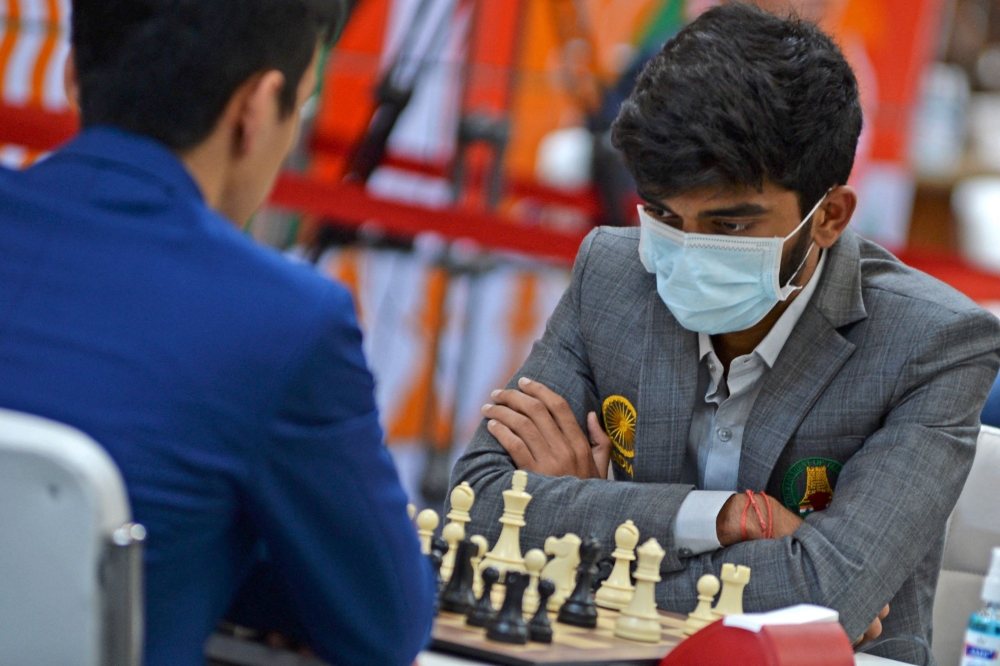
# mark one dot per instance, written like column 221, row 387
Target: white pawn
column 561, row 569
column 639, row 621
column 462, row 498
column 534, row 560
column 734, row 579
column 411, row 511
column 702, row 615
column 477, row 575
column 452, row 534
column 506, row 553
column 427, row 522
column 616, row 591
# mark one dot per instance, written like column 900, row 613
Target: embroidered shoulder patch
column 619, row 423
column 808, row 485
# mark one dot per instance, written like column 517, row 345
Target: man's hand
column 875, row 630
column 539, row 430
column 727, row 523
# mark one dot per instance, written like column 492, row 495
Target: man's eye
column 734, row 226
column 658, row 213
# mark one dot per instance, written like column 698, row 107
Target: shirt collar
column 775, row 340
column 141, row 153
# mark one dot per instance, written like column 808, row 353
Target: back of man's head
column 166, row 69
column 738, row 98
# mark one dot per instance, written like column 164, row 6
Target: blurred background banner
column 456, row 152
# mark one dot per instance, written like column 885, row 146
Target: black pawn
column 438, row 548
column 458, row 596
column 579, row 609
column 436, row 560
column 509, row 625
column 483, row 611
column 539, row 629
column 439, row 544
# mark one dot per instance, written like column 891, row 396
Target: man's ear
column 256, row 108
column 71, row 85
column 837, row 211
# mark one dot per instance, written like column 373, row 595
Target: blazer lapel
column 668, row 382
column 813, row 355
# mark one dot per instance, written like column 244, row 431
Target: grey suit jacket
column 883, row 379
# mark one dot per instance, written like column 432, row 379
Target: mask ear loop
column 811, row 245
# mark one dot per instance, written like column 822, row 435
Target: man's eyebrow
column 739, row 210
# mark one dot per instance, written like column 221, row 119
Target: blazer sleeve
column 328, row 505
column 566, row 504
column 893, row 496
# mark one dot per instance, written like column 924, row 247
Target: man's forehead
column 704, row 199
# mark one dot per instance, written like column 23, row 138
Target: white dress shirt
column 715, row 440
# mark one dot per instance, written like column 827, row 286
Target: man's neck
column 730, row 346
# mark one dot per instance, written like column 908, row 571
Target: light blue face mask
column 714, row 283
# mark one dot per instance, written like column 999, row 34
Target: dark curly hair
column 738, row 98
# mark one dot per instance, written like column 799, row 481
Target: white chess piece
column 462, row 499
column 702, row 615
column 411, row 511
column 561, row 569
column 734, row 579
column 477, row 575
column 534, row 560
column 506, row 553
column 616, row 591
column 427, row 522
column 452, row 534
column 639, row 621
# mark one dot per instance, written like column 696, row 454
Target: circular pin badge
column 619, row 422
column 808, row 485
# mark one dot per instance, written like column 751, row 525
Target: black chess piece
column 539, row 629
column 457, row 596
column 436, row 560
column 483, row 611
column 509, row 625
column 439, row 546
column 579, row 609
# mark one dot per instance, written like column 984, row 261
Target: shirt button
column 685, row 552
column 725, row 434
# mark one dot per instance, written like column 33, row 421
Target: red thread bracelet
column 766, row 528
column 770, row 518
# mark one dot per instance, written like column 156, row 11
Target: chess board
column 571, row 646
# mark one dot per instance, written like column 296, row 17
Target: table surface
column 438, row 659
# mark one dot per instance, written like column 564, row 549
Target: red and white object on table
column 802, row 634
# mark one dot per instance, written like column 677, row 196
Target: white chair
column 973, row 531
column 70, row 558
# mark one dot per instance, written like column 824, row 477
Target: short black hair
column 738, row 98
column 167, row 68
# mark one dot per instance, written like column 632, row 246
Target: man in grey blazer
column 744, row 339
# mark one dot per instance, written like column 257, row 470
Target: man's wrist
column 727, row 523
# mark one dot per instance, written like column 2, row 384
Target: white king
column 506, row 554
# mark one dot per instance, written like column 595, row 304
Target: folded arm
column 564, row 504
column 893, row 496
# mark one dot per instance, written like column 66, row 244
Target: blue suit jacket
column 229, row 386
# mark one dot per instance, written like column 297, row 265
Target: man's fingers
column 533, row 410
column 557, row 406
column 873, row 631
column 513, row 444
column 600, row 445
column 884, row 612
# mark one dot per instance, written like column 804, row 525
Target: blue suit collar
column 110, row 144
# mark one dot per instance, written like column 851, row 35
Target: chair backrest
column 70, row 560
column 973, row 531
